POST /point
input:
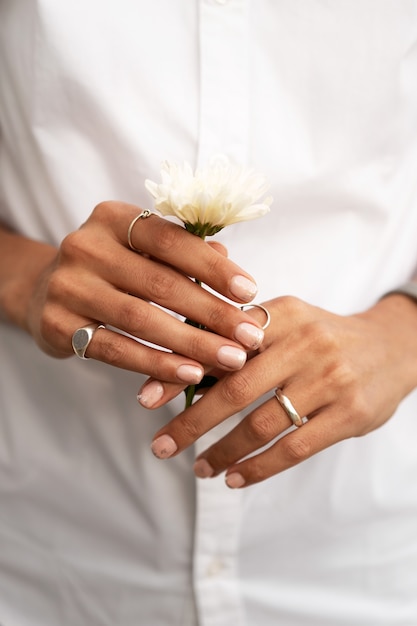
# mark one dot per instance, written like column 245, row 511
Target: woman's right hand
column 96, row 278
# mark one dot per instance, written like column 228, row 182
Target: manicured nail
column 203, row 469
column 249, row 335
column 150, row 394
column 163, row 447
column 235, row 480
column 190, row 373
column 243, row 288
column 232, row 357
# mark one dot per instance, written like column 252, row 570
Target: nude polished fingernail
column 243, row 288
column 150, row 394
column 235, row 480
column 249, row 335
column 190, row 373
column 203, row 469
column 163, row 447
column 232, row 357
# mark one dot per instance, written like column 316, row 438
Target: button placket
column 224, row 80
column 223, row 128
column 216, row 545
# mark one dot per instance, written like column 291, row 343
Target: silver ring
column 259, row 306
column 141, row 216
column 288, row 408
column 81, row 339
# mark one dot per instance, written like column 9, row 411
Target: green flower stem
column 189, row 395
column 190, row 390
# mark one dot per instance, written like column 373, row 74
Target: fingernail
column 232, row 357
column 203, row 469
column 243, row 288
column 190, row 373
column 163, row 447
column 235, row 480
column 150, row 394
column 249, row 335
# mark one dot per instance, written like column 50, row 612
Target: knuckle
column 216, row 316
column 59, row 286
column 77, row 247
column 214, row 265
column 358, row 408
column 354, row 416
column 113, row 350
column 160, row 286
column 72, row 244
column 292, row 306
column 340, row 374
column 106, row 211
column 196, row 345
column 133, row 317
column 256, row 470
column 295, row 449
column 237, row 390
column 157, row 365
column 320, row 334
column 191, row 429
column 165, row 238
column 261, row 427
column 49, row 324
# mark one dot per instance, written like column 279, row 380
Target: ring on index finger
column 146, row 213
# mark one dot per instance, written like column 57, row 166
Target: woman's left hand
column 346, row 375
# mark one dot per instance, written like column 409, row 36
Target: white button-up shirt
column 322, row 97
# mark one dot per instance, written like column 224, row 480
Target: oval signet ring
column 82, row 337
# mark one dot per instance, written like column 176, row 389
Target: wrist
column 23, row 262
column 396, row 316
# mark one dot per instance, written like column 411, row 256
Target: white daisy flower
column 211, row 198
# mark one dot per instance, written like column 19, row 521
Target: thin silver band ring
column 259, row 306
column 288, row 407
column 146, row 213
column 81, row 339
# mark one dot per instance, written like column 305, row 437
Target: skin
column 94, row 276
column 346, row 374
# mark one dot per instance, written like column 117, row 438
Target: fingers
column 278, row 363
column 318, row 359
column 96, row 278
column 293, row 448
column 164, row 286
column 155, row 393
column 297, row 361
column 151, row 324
column 141, row 319
column 219, row 247
column 268, row 437
column 173, row 245
column 121, row 351
column 231, row 394
column 259, row 428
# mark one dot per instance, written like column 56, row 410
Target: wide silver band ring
column 288, row 407
column 259, row 306
column 81, row 339
column 146, row 213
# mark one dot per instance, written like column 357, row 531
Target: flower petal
column 210, row 198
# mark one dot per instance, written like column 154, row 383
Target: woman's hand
column 96, row 278
column 347, row 375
